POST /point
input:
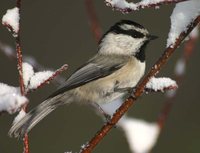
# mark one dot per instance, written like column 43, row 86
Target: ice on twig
column 141, row 135
column 11, row 99
column 11, row 18
column 160, row 84
column 183, row 14
column 20, row 115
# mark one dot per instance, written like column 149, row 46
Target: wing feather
column 98, row 67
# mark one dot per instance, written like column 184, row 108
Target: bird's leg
column 129, row 90
column 107, row 117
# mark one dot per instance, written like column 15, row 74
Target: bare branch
column 139, row 90
column 93, row 20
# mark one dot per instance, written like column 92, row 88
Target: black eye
column 135, row 34
column 130, row 32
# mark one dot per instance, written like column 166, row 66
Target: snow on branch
column 161, row 84
column 11, row 100
column 11, row 20
column 34, row 80
column 141, row 135
column 127, row 7
column 183, row 14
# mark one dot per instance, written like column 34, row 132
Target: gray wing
column 98, row 67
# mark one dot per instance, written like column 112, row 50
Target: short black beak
column 152, row 37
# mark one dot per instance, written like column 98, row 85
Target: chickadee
column 119, row 64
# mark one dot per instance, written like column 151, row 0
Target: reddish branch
column 139, row 90
column 19, row 53
column 93, row 20
column 139, row 5
column 20, row 69
column 188, row 50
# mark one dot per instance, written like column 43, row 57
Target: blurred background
column 58, row 32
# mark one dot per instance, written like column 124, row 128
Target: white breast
column 102, row 90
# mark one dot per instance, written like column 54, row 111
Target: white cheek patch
column 129, row 44
column 120, row 44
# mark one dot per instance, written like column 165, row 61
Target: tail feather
column 19, row 129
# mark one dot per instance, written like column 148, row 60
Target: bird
column 117, row 66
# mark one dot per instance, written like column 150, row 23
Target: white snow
column 160, row 83
column 39, row 78
column 20, row 115
column 11, row 99
column 31, row 79
column 180, row 67
column 141, row 135
column 121, row 4
column 149, row 2
column 183, row 14
column 12, row 18
column 28, row 72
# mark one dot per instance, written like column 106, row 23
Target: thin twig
column 188, row 50
column 139, row 90
column 93, row 20
column 20, row 69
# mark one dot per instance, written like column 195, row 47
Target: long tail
column 20, row 128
